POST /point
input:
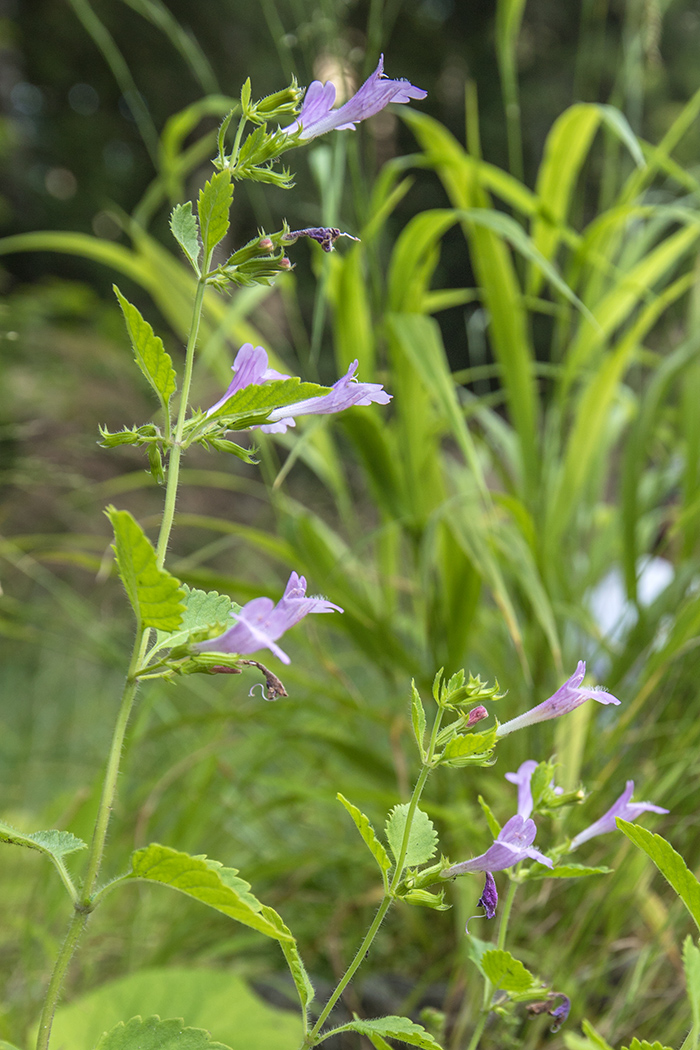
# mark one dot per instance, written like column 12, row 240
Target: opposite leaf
column 393, row 1028
column 185, row 230
column 153, row 1034
column 369, row 837
column 154, row 362
column 506, row 972
column 422, row 842
column 215, row 200
column 210, row 883
column 155, row 595
column 54, row 843
column 670, row 864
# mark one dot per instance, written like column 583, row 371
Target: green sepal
column 215, row 199
column 422, row 841
column 209, row 882
column 156, row 597
column 494, row 826
column 369, row 837
column 506, row 972
column 55, row 844
column 221, row 160
column 148, row 434
column 221, row 444
column 151, row 1033
column 399, row 1028
column 185, row 230
column 472, row 749
column 150, row 355
column 418, row 719
column 423, row 899
column 155, row 463
column 670, row 864
column 259, row 148
column 561, row 871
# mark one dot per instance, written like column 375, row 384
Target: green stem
column 488, row 987
column 75, row 929
column 388, row 898
column 176, row 452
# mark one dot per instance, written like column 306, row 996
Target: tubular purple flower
column 513, row 844
column 567, row 698
column 250, row 367
column 522, row 778
column 317, row 115
column 260, row 622
column 624, row 808
column 326, row 236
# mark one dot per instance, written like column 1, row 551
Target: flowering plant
column 182, row 631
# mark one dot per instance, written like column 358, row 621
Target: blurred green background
column 526, row 287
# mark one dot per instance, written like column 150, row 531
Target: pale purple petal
column 567, row 698
column 522, row 778
column 345, row 393
column 318, row 117
column 622, row 807
column 513, row 844
column 489, row 898
column 260, row 622
column 249, row 369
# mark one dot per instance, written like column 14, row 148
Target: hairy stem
column 388, row 898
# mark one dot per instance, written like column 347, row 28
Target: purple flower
column 560, row 1013
column 513, row 844
column 489, row 898
column 317, row 116
column 260, row 622
column 624, row 808
column 522, row 778
column 325, row 235
column 568, row 696
column 250, row 368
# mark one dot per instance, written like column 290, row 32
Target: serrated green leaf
column 393, row 1028
column 494, row 826
column 506, row 972
column 215, row 200
column 377, row 1042
column 418, row 718
column 203, row 611
column 209, row 882
column 54, row 843
column 562, row 871
column 670, row 864
column 150, row 355
column 476, row 950
column 185, row 230
column 260, row 399
column 369, row 837
column 469, row 750
column 691, row 965
column 642, row 1044
column 153, row 1034
column 422, row 841
column 155, row 595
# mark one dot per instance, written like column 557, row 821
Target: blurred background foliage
column 526, row 286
